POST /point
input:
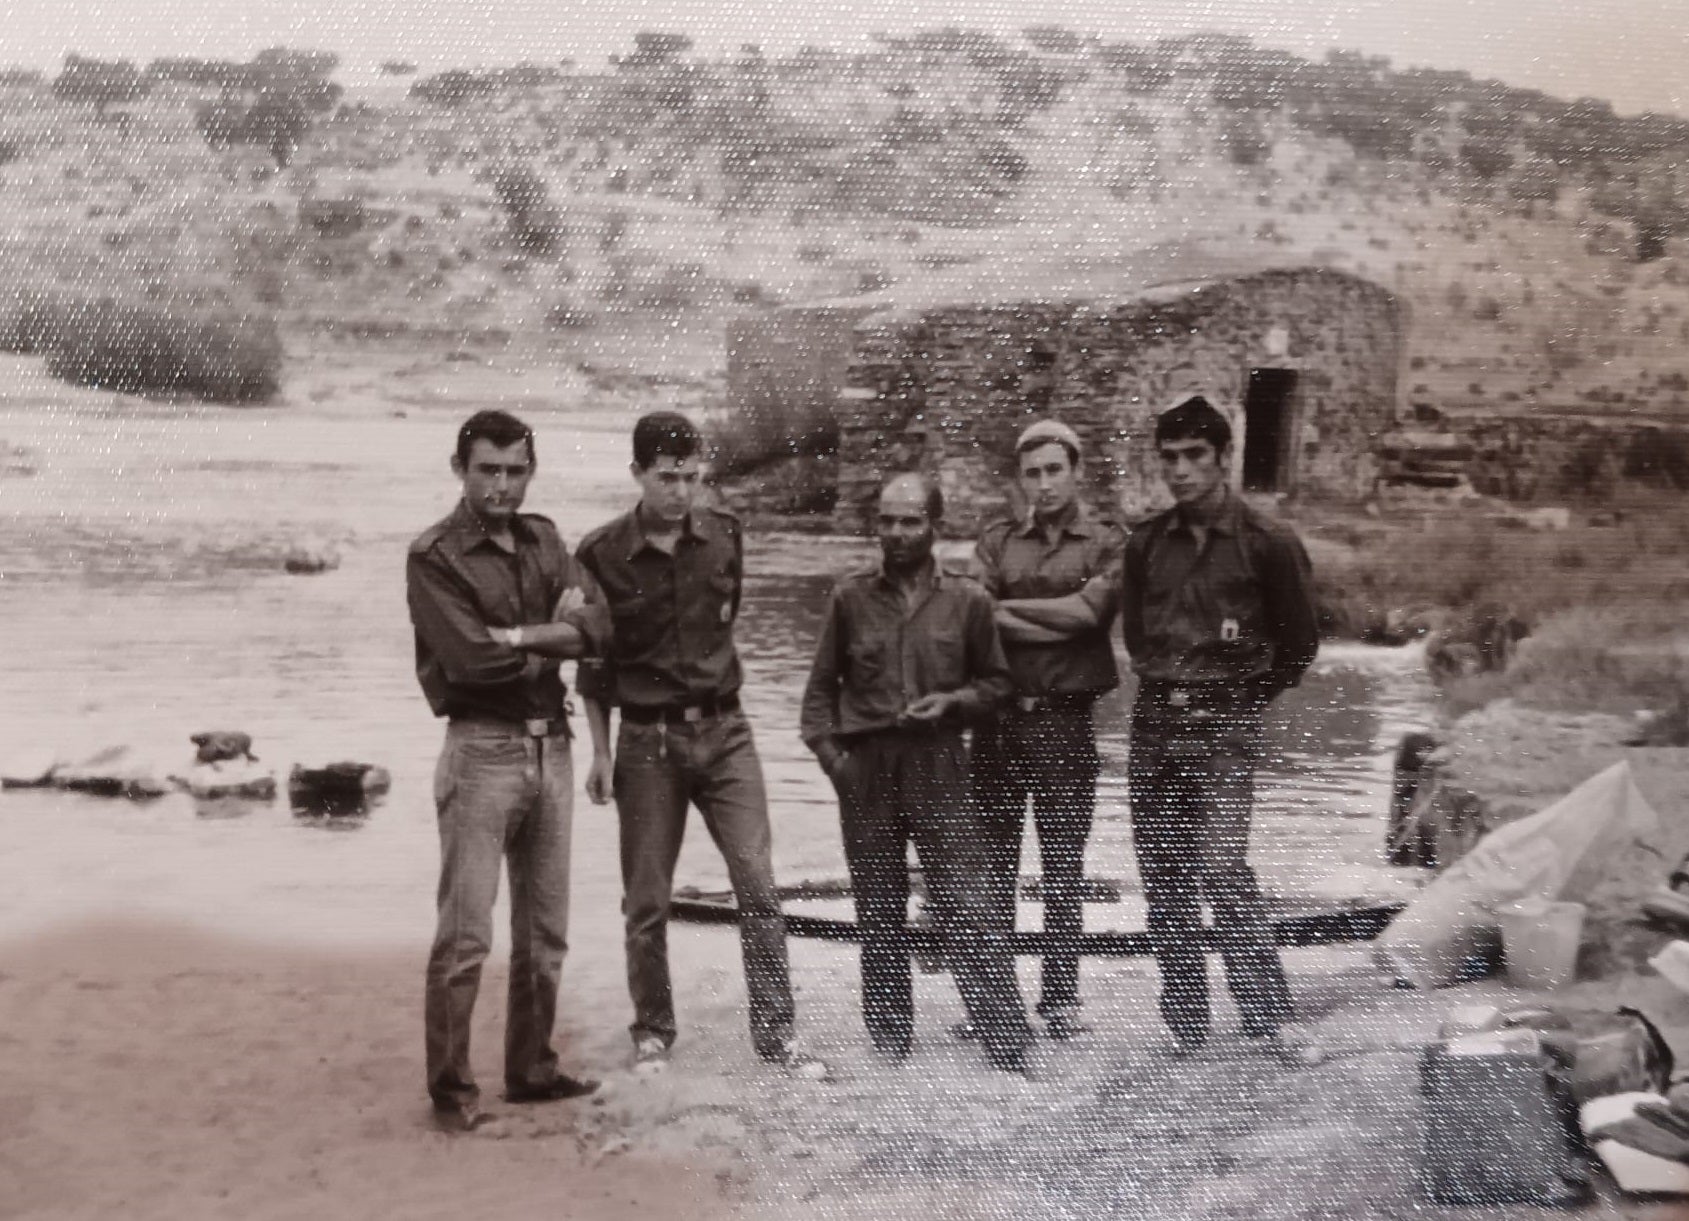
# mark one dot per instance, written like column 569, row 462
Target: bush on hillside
column 152, row 349
column 534, row 223
column 99, row 81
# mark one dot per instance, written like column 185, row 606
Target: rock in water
column 117, row 771
column 229, row 778
column 336, row 788
column 310, row 556
column 216, row 745
column 28, row 768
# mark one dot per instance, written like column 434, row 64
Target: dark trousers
column 660, row 769
column 1050, row 755
column 1191, row 785
column 901, row 786
column 499, row 795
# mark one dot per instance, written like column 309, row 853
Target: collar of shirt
column 1227, row 520
column 1076, row 521
column 469, row 532
column 696, row 528
column 932, row 578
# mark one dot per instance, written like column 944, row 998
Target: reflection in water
column 159, row 535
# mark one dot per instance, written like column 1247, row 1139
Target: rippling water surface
column 142, row 599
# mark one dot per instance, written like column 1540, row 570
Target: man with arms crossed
column 484, row 586
column 907, row 655
column 1218, row 615
column 1055, row 572
column 671, row 572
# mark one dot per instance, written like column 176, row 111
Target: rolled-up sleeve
column 450, row 626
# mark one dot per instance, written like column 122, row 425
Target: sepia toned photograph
column 1044, row 610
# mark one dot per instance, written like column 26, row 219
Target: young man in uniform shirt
column 484, row 587
column 1055, row 572
column 671, row 572
column 1218, row 616
column 907, row 655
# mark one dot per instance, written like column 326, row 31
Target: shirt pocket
column 867, row 657
column 949, row 653
column 721, row 588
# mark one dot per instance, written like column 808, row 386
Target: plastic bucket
column 1540, row 941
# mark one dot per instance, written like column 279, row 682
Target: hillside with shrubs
column 260, row 210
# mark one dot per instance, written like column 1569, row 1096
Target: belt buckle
column 1029, row 703
column 692, row 712
column 1178, row 697
column 537, row 727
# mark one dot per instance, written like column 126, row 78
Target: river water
column 142, row 599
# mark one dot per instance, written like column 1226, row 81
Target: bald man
column 908, row 655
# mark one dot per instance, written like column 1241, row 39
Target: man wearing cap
column 1218, row 615
column 1054, row 571
column 671, row 571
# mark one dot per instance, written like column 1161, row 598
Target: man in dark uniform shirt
column 671, row 572
column 484, row 587
column 907, row 655
column 1218, row 616
column 1055, row 572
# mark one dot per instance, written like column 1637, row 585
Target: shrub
column 146, row 348
column 27, row 321
column 453, row 88
column 99, row 81
column 534, row 223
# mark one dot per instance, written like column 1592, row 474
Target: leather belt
column 703, row 710
column 533, row 727
column 1060, row 701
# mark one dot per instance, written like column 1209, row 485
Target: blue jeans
column 660, row 769
column 498, row 794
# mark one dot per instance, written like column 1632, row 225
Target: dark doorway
column 1268, row 413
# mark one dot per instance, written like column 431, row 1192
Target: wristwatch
column 514, row 637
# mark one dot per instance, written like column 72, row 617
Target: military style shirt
column 1239, row 609
column 672, row 615
column 460, row 582
column 878, row 654
column 1018, row 558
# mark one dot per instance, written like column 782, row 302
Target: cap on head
column 1045, row 431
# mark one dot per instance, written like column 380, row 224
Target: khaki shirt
column 1018, row 558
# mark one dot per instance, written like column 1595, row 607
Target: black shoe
column 1010, row 1060
column 1182, row 1047
column 895, row 1053
column 461, row 1117
column 1064, row 1024
column 560, row 1087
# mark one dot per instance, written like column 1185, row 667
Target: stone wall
column 941, row 390
column 1553, row 456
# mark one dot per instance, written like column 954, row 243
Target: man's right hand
column 599, row 779
column 572, row 599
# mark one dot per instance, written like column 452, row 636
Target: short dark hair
column 499, row 427
column 664, row 432
column 929, row 484
column 1195, row 419
column 1040, row 442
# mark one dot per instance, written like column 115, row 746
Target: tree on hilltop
column 653, row 49
column 99, row 81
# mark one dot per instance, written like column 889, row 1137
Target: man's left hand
column 572, row 599
column 928, row 709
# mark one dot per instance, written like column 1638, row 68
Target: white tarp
column 1553, row 854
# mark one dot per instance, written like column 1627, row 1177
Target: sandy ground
column 159, row 1072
